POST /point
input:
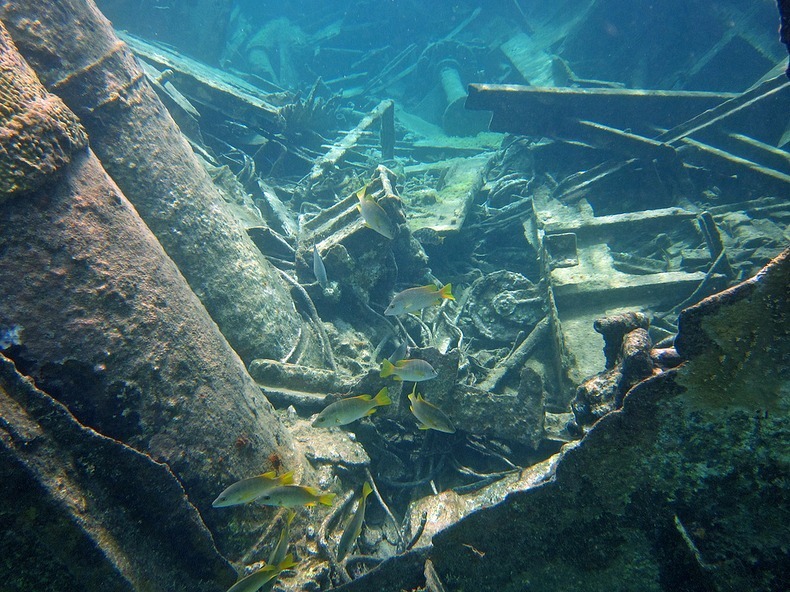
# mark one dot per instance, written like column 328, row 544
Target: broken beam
column 720, row 112
column 618, row 223
column 384, row 111
column 209, row 86
column 625, row 143
column 538, row 111
column 717, row 157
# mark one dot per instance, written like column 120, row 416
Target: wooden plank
column 539, row 111
column 209, row 86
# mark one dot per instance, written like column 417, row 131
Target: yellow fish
column 291, row 496
column 248, row 490
column 429, row 416
column 267, row 574
column 281, row 548
column 410, row 370
column 354, row 525
column 415, row 299
column 374, row 215
column 351, row 409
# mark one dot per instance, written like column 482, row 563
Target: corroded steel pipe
column 95, row 312
column 75, row 52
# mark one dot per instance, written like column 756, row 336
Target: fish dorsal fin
column 269, row 475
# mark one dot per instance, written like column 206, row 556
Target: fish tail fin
column 291, row 516
column 387, row 368
column 447, row 292
column 383, row 397
column 327, row 499
column 286, row 563
column 366, row 489
column 287, row 478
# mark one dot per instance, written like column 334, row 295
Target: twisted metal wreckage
column 171, row 337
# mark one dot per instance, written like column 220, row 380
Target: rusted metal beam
column 717, row 157
column 215, row 88
column 538, row 111
column 727, row 108
column 623, row 142
column 385, row 112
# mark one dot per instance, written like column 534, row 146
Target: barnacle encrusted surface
column 38, row 133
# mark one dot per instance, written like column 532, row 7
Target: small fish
column 374, row 215
column 248, row 490
column 345, row 411
column 281, row 548
column 415, row 299
column 267, row 574
column 353, row 527
column 399, row 353
column 429, row 416
column 411, row 370
column 319, row 270
column 291, row 496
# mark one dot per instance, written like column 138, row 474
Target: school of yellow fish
column 279, row 490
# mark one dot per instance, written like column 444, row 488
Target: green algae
column 747, row 363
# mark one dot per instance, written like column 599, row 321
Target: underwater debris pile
column 315, row 238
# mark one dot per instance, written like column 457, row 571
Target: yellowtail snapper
column 267, row 574
column 353, row 526
column 415, row 299
column 291, row 496
column 374, row 215
column 410, row 370
column 248, row 490
column 281, row 548
column 429, row 416
column 345, row 411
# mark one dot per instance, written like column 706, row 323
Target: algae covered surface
column 685, row 488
